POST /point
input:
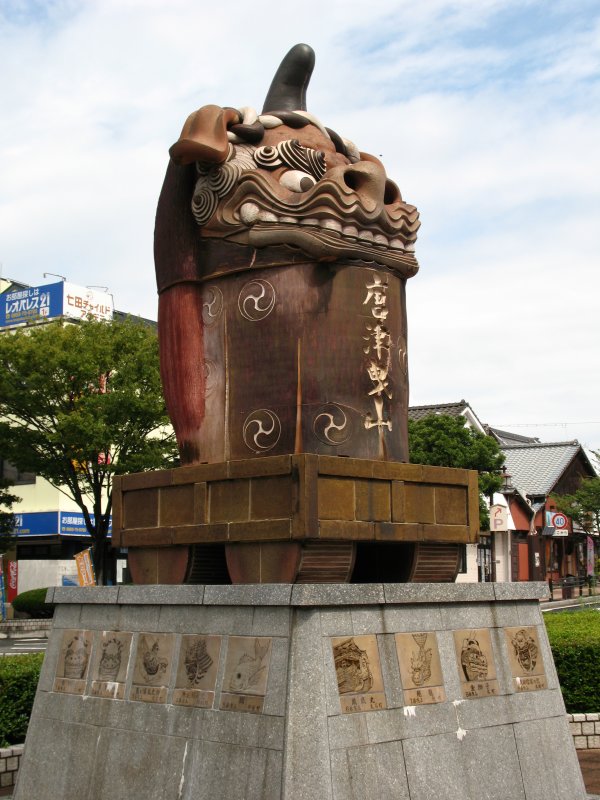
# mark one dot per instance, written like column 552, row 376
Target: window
column 11, row 473
column 462, row 558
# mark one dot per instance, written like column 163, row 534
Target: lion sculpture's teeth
column 251, row 213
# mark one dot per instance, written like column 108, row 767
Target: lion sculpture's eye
column 297, row 181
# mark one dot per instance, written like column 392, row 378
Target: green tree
column 80, row 403
column 445, row 441
column 7, row 518
column 583, row 506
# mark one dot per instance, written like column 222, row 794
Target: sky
column 486, row 113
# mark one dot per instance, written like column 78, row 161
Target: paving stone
column 522, row 590
column 157, row 761
column 368, row 620
column 86, row 594
column 275, row 701
column 221, row 770
column 268, row 621
column 347, row 730
column 138, row 618
column 373, row 772
column 47, row 743
column 538, row 743
column 265, row 594
column 403, row 619
column 482, row 765
column 334, row 594
column 336, row 621
column 438, row 592
column 95, row 617
column 308, row 774
column 67, row 616
column 161, row 595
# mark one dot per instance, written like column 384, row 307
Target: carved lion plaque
column 476, row 665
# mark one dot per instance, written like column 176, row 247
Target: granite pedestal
column 331, row 692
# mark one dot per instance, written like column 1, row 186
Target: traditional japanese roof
column 536, row 467
column 508, row 438
column 459, row 409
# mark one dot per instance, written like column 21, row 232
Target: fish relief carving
column 250, row 669
column 420, row 662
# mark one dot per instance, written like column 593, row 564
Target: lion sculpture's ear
column 204, row 136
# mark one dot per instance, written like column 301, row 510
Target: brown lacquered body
column 286, row 355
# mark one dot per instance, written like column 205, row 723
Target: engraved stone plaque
column 110, row 665
column 246, row 674
column 73, row 662
column 358, row 672
column 476, row 663
column 197, row 671
column 525, row 658
column 420, row 668
column 153, row 660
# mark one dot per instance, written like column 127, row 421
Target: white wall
column 37, row 574
column 502, row 556
column 471, row 575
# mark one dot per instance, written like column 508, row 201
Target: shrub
column 33, row 603
column 19, row 677
column 575, row 642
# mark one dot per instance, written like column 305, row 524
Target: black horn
column 288, row 89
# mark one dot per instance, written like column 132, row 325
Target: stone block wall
column 17, row 627
column 10, row 760
column 585, row 729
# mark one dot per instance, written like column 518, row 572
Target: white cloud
column 486, row 113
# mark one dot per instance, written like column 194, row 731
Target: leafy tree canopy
column 583, row 506
column 7, row 518
column 81, row 403
column 445, row 441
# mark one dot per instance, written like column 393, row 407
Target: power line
column 544, row 424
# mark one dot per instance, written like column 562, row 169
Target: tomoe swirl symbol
column 332, row 425
column 261, row 431
column 212, row 304
column 256, row 300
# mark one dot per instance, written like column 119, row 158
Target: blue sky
column 486, row 114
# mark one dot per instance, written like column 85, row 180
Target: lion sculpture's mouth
column 328, row 222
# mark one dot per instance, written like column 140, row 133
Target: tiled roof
column 451, row 409
column 506, row 437
column 536, row 467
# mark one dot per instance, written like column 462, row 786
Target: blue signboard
column 72, row 523
column 31, row 304
column 39, row 523
column 52, row 523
